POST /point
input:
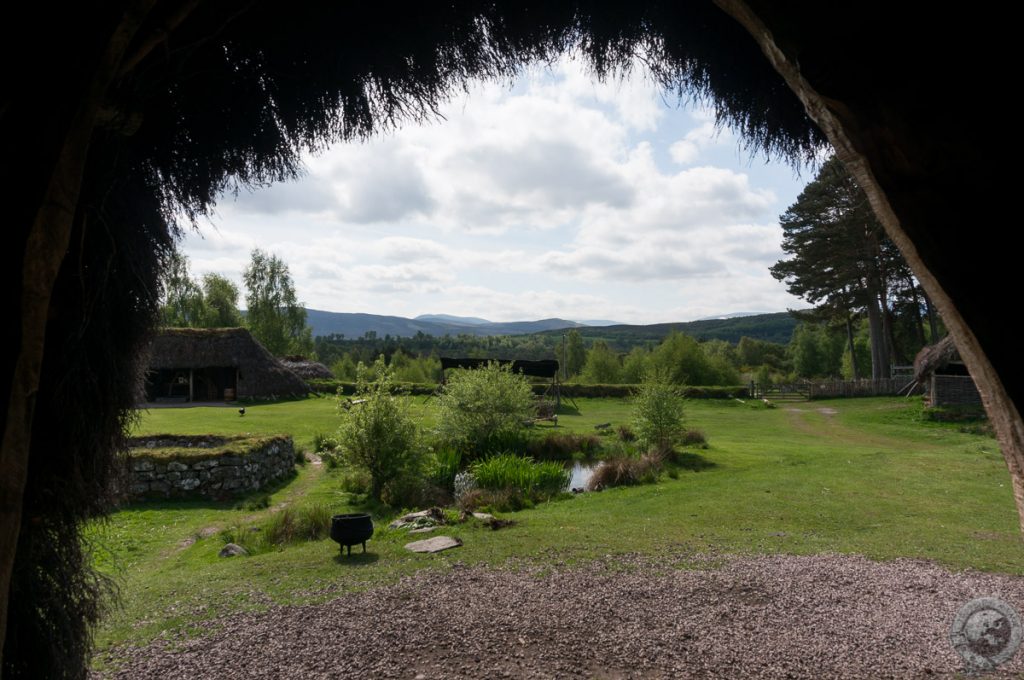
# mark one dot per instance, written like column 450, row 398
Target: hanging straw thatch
column 259, row 373
column 934, row 358
column 306, row 369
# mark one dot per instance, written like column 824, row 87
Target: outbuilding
column 215, row 364
column 944, row 376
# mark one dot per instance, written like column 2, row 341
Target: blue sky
column 552, row 196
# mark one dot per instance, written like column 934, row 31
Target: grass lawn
column 854, row 476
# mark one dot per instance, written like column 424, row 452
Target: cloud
column 551, row 174
column 558, row 197
column 307, row 195
column 687, row 150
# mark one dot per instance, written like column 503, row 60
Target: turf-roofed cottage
column 218, row 364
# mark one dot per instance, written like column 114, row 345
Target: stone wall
column 169, row 466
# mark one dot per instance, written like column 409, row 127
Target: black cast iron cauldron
column 351, row 529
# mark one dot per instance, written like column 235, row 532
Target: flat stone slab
column 433, row 545
column 429, row 516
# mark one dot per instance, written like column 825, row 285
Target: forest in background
column 869, row 315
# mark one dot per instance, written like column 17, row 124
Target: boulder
column 233, row 550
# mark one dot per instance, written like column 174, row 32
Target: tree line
column 841, row 261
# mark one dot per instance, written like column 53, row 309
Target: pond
column 581, row 473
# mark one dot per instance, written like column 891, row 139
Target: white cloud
column 546, row 200
column 687, row 150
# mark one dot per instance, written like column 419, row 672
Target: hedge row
column 690, row 392
column 568, row 390
column 349, row 388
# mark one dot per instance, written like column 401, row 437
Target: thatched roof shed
column 936, row 358
column 945, row 377
column 197, row 364
column 306, row 369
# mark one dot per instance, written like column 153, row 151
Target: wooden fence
column 832, row 389
column 797, row 391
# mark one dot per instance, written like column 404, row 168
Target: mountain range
column 776, row 327
column 353, row 325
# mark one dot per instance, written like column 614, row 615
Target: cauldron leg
column 364, row 546
column 350, row 551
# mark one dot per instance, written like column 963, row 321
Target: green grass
column 871, row 478
column 237, row 445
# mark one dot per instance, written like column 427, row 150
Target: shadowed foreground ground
column 635, row 617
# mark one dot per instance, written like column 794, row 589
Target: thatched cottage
column 215, row 364
column 944, row 376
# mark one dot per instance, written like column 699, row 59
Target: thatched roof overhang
column 934, row 358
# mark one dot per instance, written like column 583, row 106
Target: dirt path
column 823, row 616
column 823, row 422
column 296, row 489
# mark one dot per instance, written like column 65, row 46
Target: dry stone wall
column 167, row 466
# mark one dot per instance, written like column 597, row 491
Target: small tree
column 221, row 298
column 658, row 411
column 378, row 434
column 274, row 315
column 602, row 366
column 181, row 299
column 480, row 407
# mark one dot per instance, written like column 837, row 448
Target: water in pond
column 581, row 473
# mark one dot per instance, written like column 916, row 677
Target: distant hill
column 734, row 315
column 449, row 318
column 777, row 327
column 356, row 325
column 599, row 322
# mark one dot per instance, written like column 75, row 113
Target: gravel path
column 824, row 616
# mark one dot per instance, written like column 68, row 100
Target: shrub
column 332, row 459
column 470, row 500
column 625, row 471
column 508, row 471
column 324, row 442
column 404, row 491
column 694, row 437
column 354, row 480
column 504, row 500
column 378, row 434
column 626, row 433
column 658, row 412
column 257, row 503
column 558, row 446
column 306, row 523
column 444, row 466
column 291, row 525
column 464, row 484
column 481, row 409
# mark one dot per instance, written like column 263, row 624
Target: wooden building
column 944, row 376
